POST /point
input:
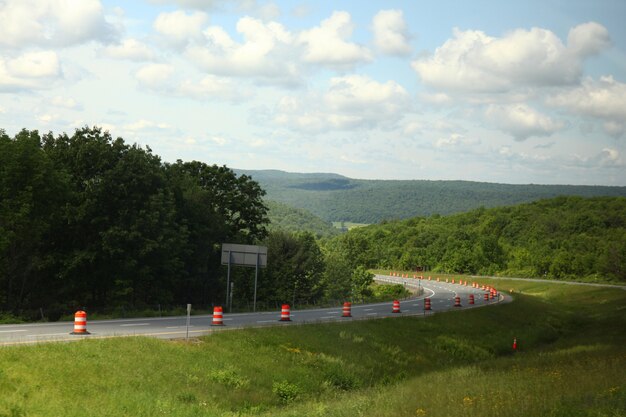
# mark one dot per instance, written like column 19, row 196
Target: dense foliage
column 285, row 218
column 561, row 238
column 90, row 220
column 336, row 198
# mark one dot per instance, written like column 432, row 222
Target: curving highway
column 441, row 294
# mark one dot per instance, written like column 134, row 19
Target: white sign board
column 244, row 255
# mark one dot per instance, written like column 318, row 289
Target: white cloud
column 455, row 142
column 391, row 35
column 32, row 70
column 211, row 87
column 160, row 78
column 179, row 28
column 588, row 39
column 328, row 43
column 266, row 52
column 49, row 23
column 66, row 103
column 604, row 99
column 147, row 125
column 522, row 121
column 477, row 63
column 614, row 129
column 154, row 76
column 606, row 158
column 196, row 4
column 610, row 157
column 351, row 102
column 435, row 98
column 130, row 49
column 219, row 140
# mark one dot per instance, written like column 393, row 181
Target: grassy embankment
column 571, row 362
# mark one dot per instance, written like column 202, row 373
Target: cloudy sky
column 498, row 91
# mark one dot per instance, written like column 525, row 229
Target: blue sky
column 511, row 92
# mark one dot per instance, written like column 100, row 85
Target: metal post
column 256, row 276
column 188, row 320
column 228, row 280
column 230, row 307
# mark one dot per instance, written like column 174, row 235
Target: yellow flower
column 420, row 412
column 468, row 401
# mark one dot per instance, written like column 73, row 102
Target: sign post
column 188, row 320
column 243, row 255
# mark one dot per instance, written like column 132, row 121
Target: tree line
column 559, row 238
column 89, row 220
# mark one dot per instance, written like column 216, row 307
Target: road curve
column 442, row 297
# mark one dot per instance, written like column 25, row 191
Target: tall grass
column 570, row 362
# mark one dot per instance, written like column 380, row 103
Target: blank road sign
column 244, row 255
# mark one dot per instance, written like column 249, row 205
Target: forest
column 571, row 238
column 89, row 221
column 336, row 198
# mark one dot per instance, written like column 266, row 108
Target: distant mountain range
column 334, row 197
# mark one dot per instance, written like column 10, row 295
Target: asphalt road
column 442, row 297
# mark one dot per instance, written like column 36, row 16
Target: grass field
column 571, row 362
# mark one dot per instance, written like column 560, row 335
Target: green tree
column 33, row 195
column 295, row 268
column 362, row 280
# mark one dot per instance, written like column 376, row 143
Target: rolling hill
column 337, row 198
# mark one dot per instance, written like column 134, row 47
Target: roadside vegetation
column 566, row 238
column 570, row 362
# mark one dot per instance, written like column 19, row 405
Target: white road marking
column 49, row 334
column 137, row 324
column 12, row 331
column 267, row 321
column 327, row 317
column 367, row 309
column 372, row 314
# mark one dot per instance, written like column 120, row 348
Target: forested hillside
column 88, row 220
column 290, row 219
column 561, row 238
column 336, row 198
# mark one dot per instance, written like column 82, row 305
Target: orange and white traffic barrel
column 347, row 307
column 457, row 301
column 218, row 316
column 426, row 303
column 80, row 323
column 285, row 313
column 396, row 306
column 471, row 298
column 486, row 297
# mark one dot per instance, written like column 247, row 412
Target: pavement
column 441, row 294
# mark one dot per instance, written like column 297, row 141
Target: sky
column 496, row 91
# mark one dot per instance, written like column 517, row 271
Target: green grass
column 570, row 362
column 348, row 225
